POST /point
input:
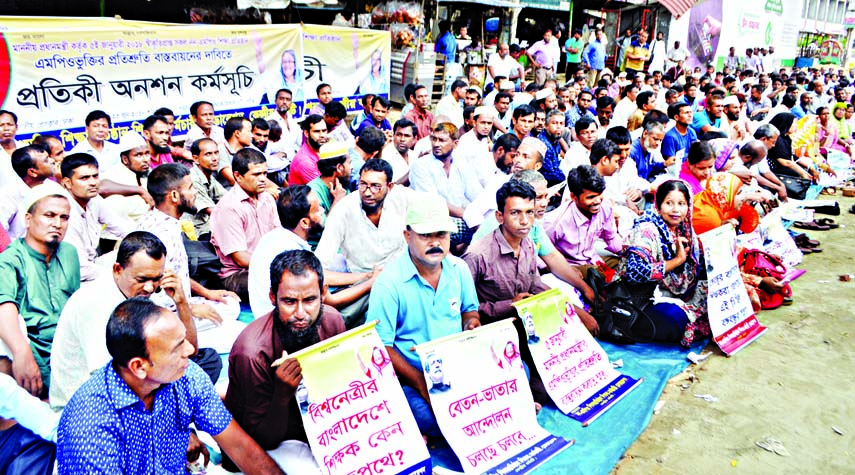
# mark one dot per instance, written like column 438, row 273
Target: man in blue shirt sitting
column 709, row 118
column 676, row 144
column 423, row 295
column 133, row 416
column 645, row 151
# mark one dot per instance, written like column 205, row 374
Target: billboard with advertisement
column 713, row 26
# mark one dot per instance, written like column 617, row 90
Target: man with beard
column 397, row 152
column 172, row 189
column 79, row 346
column 474, row 147
column 180, row 154
column 334, row 182
column 261, row 396
column 423, row 295
column 241, row 218
column 377, row 116
column 539, row 122
column 675, row 145
column 40, row 273
column 736, row 126
column 646, row 153
column 261, row 135
column 209, row 191
column 98, row 125
column 238, row 134
column 301, row 216
column 365, row 227
column 89, row 215
column 292, row 134
column 304, row 167
column 135, row 156
column 551, row 137
column 448, row 177
column 156, row 133
column 525, row 155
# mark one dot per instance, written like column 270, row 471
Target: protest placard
column 354, row 410
column 731, row 316
column 771, row 236
column 482, row 401
column 575, row 370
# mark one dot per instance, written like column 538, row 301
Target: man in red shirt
column 304, row 167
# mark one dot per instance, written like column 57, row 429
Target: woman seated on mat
column 780, row 156
column 699, row 165
column 663, row 255
column 844, row 130
column 725, row 200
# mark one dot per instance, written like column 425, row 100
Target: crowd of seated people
column 117, row 257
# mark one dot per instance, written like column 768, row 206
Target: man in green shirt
column 40, row 272
column 573, row 47
column 335, row 167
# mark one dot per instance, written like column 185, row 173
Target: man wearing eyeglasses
column 367, row 228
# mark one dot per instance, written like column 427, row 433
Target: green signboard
column 561, row 5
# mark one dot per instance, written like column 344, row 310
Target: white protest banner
column 354, row 410
column 351, row 61
column 482, row 402
column 575, row 370
column 731, row 316
column 52, row 73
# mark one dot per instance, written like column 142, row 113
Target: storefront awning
column 492, row 3
column 560, row 5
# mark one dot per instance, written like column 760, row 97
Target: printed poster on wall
column 482, row 402
column 731, row 316
column 574, row 367
column 353, row 62
column 354, row 410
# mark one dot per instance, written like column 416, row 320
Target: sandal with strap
column 812, row 226
column 827, row 222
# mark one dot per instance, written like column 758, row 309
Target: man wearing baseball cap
column 422, row 295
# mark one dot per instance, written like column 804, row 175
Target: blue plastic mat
column 599, row 446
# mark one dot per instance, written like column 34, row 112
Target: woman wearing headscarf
column 844, row 130
column 663, row 262
column 721, row 202
column 780, row 156
column 700, row 164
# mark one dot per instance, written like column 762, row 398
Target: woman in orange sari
column 721, row 202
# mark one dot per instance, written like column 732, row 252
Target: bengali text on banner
column 354, row 410
column 575, row 370
column 732, row 318
column 481, row 399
